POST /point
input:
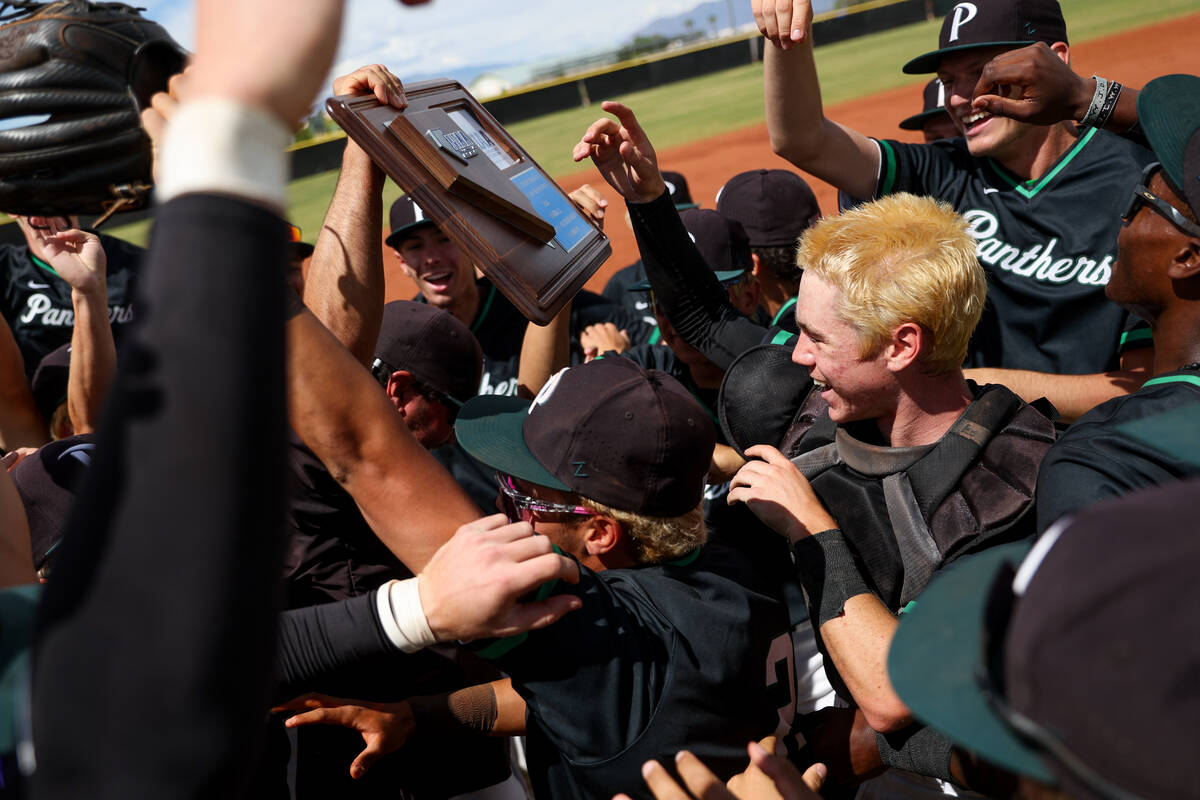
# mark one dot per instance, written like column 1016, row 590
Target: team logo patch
column 962, row 14
column 547, row 390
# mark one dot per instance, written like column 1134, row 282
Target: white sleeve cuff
column 214, row 145
column 403, row 618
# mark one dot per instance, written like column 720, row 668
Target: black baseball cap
column 433, row 345
column 934, row 98
column 774, row 206
column 46, row 481
column 631, row 438
column 50, row 380
column 677, row 188
column 1073, row 662
column 993, row 23
column 762, row 393
column 404, row 216
column 1169, row 110
column 721, row 241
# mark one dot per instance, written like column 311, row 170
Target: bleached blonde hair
column 901, row 259
column 655, row 540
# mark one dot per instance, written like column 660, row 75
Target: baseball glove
column 81, row 73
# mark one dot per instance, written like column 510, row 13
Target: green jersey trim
column 887, row 169
column 43, row 265
column 1029, row 189
column 1192, row 379
column 783, row 309
column 1136, row 335
column 655, row 336
column 783, row 337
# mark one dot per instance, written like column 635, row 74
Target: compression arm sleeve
column 318, row 640
column 685, row 289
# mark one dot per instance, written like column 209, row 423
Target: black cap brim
column 924, row 64
column 492, row 429
column 936, row 655
column 395, row 237
column 917, row 121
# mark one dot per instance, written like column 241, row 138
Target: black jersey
column 1047, row 245
column 688, row 654
column 1094, row 460
column 636, row 303
column 37, row 302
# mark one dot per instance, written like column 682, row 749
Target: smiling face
column 997, row 137
column 856, row 387
column 436, row 265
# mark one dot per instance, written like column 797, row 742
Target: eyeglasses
column 520, row 507
column 998, row 614
column 382, row 372
column 1142, row 196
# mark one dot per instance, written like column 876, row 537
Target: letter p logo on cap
column 962, row 14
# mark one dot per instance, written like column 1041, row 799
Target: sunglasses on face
column 1142, row 196
column 998, row 614
column 520, row 507
column 382, row 372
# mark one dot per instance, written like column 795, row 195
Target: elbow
column 886, row 715
column 800, row 150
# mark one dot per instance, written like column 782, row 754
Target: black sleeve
column 686, row 290
column 160, row 617
column 319, row 640
column 923, row 169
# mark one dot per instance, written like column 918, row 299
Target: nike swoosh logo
column 990, row 191
column 33, row 285
column 641, row 306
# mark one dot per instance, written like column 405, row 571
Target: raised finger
column 625, row 114
column 661, row 784
column 699, row 779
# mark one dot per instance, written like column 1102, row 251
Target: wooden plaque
column 482, row 189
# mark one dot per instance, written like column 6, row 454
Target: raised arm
column 79, row 258
column 334, row 404
column 685, row 289
column 344, row 285
column 21, row 425
column 796, row 120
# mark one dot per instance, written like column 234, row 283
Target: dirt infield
column 1134, row 57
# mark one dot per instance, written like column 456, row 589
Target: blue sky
column 448, row 36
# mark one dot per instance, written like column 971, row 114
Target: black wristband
column 917, row 749
column 828, row 572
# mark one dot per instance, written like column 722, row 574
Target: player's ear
column 601, row 535
column 1062, row 50
column 398, row 385
column 908, row 342
column 1186, row 263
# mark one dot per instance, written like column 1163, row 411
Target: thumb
column 369, row 755
column 997, row 106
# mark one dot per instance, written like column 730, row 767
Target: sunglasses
column 998, row 614
column 520, row 507
column 1142, row 196
column 382, row 372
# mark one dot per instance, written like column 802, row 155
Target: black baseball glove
column 75, row 75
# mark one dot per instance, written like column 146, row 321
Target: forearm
column 336, row 407
column 21, row 425
column 854, row 625
column 491, row 709
column 16, row 555
column 1072, row 395
column 544, row 351
column 686, row 289
column 318, row 640
column 344, row 286
column 93, row 358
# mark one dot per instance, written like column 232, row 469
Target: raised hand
column 779, row 494
column 601, row 338
column 78, row 258
column 1032, row 84
column 623, row 154
column 785, row 23
column 375, row 79
column 590, row 203
column 471, row 587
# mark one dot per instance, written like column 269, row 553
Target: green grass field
column 712, row 104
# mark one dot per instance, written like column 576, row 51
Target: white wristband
column 403, row 618
column 214, row 145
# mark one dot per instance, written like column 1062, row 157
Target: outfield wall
column 644, row 73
